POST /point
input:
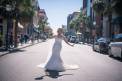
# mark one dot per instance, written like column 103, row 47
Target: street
column 21, row 65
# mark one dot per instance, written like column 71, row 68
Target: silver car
column 74, row 39
column 115, row 47
column 101, row 45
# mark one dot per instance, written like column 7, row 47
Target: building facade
column 110, row 20
column 42, row 19
column 70, row 18
column 116, row 20
column 10, row 26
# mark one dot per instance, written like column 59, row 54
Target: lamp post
column 16, row 29
column 94, row 23
column 9, row 8
column 94, row 29
column 94, row 32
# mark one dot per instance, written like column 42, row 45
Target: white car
column 115, row 48
column 74, row 39
column 68, row 37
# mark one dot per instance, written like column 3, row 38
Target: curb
column 17, row 49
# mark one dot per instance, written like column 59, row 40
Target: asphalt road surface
column 21, row 65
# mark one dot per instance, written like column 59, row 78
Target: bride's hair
column 60, row 30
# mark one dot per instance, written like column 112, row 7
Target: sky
column 58, row 10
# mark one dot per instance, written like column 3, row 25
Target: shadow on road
column 13, row 51
column 104, row 53
column 17, row 50
column 116, row 58
column 51, row 74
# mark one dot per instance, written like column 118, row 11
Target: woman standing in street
column 54, row 62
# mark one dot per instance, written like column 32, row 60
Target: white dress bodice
column 57, row 43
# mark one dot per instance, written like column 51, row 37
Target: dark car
column 101, row 45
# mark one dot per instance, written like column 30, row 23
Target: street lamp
column 94, row 28
column 94, row 23
column 94, row 32
column 16, row 29
column 8, row 8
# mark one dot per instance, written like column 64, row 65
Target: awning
column 36, row 26
column 20, row 25
column 117, row 20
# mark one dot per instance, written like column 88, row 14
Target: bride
column 54, row 62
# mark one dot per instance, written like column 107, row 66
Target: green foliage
column 117, row 6
column 85, row 20
column 42, row 25
column 25, row 7
column 72, row 24
column 26, row 15
column 26, row 10
column 99, row 6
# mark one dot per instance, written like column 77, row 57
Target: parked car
column 80, row 37
column 68, row 37
column 101, row 45
column 115, row 47
column 74, row 39
column 95, row 46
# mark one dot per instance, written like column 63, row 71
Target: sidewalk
column 20, row 47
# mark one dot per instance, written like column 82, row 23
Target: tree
column 99, row 6
column 42, row 25
column 75, row 23
column 72, row 24
column 117, row 5
column 26, row 11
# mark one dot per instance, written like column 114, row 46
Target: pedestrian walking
column 26, row 38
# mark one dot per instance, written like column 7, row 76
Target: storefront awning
column 20, row 26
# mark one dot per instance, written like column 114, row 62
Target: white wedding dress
column 54, row 61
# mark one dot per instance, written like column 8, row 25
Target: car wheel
column 100, row 51
column 93, row 48
column 109, row 52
